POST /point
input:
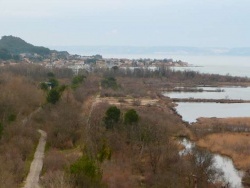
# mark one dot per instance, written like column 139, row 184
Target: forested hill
column 15, row 46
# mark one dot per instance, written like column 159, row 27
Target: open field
column 224, row 121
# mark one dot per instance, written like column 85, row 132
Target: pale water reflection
column 241, row 71
column 232, row 65
column 230, row 174
column 191, row 111
column 238, row 93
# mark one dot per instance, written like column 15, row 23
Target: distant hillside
column 15, row 46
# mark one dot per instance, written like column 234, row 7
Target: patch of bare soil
column 128, row 101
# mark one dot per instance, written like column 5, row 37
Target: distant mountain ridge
column 12, row 47
column 160, row 50
column 16, row 46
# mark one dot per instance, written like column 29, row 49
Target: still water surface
column 232, row 65
column 191, row 111
column 224, row 65
column 230, row 174
column 239, row 93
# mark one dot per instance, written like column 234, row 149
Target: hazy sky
column 198, row 23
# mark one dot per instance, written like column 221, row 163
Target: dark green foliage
column 109, row 82
column 53, row 96
column 16, row 57
column 90, row 61
column 56, row 90
column 51, row 75
column 77, row 80
column 131, row 117
column 115, row 68
column 104, row 153
column 16, row 46
column 85, row 172
column 61, row 88
column 112, row 117
column 97, row 56
column 44, row 86
column 5, row 54
column 11, row 117
column 54, row 82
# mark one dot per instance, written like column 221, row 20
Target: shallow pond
column 230, row 174
column 191, row 111
column 238, row 93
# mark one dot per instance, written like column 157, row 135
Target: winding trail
column 37, row 163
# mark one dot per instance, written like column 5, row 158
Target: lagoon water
column 231, row 65
column 237, row 93
column 230, row 174
column 191, row 111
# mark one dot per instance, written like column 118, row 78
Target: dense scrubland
column 92, row 140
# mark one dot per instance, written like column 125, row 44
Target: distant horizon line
column 130, row 46
column 153, row 46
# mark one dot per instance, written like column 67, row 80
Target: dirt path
column 26, row 120
column 37, row 163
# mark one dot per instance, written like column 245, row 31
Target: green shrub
column 104, row 153
column 11, row 117
column 53, row 96
column 109, row 82
column 50, row 74
column 131, row 117
column 112, row 117
column 54, row 82
column 85, row 172
column 44, row 86
column 77, row 80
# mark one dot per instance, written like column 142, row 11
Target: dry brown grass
column 234, row 145
column 238, row 121
column 119, row 174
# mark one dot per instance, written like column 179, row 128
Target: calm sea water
column 232, row 65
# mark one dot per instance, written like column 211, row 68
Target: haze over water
column 232, row 65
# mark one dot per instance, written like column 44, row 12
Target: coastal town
column 14, row 50
column 79, row 63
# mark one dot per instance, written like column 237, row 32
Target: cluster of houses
column 89, row 63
